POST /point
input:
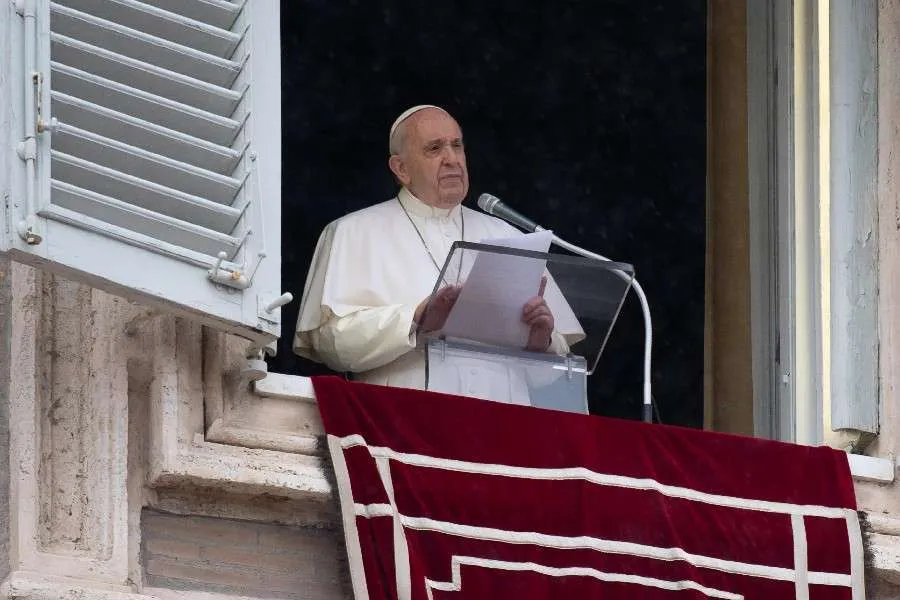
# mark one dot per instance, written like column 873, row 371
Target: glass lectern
column 480, row 346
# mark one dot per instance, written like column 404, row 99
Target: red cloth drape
column 448, row 497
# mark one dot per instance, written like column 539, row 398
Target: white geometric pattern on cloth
column 799, row 574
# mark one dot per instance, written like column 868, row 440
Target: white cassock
column 369, row 273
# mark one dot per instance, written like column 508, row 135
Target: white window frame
column 811, row 106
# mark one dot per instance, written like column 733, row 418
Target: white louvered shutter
column 157, row 152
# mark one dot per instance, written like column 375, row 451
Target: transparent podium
column 477, row 344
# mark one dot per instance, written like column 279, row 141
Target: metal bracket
column 41, row 125
column 27, row 149
column 233, row 278
column 267, row 307
column 25, row 8
column 256, row 368
column 26, row 231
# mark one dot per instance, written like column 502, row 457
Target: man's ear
column 398, row 168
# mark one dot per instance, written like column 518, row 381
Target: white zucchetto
column 407, row 114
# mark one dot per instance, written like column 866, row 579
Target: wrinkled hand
column 536, row 314
column 433, row 310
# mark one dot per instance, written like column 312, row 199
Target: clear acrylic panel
column 514, row 377
column 488, row 284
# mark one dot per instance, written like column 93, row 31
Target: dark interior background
column 588, row 116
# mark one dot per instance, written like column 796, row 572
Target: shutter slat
column 155, row 21
column 143, row 134
column 146, row 165
column 143, row 76
column 145, row 105
column 144, row 194
column 132, row 238
column 145, row 222
column 136, row 44
column 219, row 13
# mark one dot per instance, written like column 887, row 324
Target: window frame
column 809, row 375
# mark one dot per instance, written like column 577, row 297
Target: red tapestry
column 453, row 498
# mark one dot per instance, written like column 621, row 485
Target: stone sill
column 25, row 585
column 293, row 387
column 871, row 468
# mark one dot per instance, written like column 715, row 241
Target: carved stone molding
column 106, row 416
column 68, row 439
column 238, row 415
column 181, row 452
column 26, row 585
column 885, row 544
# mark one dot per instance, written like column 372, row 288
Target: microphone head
column 487, row 202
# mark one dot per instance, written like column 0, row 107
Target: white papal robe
column 370, row 271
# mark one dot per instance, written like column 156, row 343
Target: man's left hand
column 536, row 314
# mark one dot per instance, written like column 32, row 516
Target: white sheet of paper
column 489, row 306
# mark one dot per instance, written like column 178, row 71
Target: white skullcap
column 407, row 114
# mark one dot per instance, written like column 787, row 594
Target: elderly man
column 374, row 270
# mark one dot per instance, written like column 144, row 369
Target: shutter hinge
column 26, row 8
column 266, row 304
column 27, row 149
column 234, row 278
column 27, row 228
column 42, row 126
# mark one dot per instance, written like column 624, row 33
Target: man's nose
column 449, row 155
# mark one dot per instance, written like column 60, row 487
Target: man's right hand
column 433, row 310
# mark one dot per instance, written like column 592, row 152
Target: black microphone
column 492, row 205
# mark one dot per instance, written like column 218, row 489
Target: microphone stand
column 645, row 308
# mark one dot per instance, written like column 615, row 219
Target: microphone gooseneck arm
column 648, row 325
column 494, row 206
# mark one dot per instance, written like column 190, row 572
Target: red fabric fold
column 452, row 497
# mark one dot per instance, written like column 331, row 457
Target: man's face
column 432, row 164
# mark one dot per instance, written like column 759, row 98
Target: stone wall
column 116, row 466
column 5, row 352
column 242, row 557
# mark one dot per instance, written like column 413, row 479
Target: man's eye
column 458, row 144
column 432, row 148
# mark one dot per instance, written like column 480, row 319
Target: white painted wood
column 134, row 160
column 151, row 136
column 12, row 175
column 197, row 210
column 762, row 199
column 165, row 53
column 220, row 13
column 166, row 153
column 146, row 18
column 854, row 216
column 145, row 80
column 803, row 259
column 782, row 139
column 179, row 232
